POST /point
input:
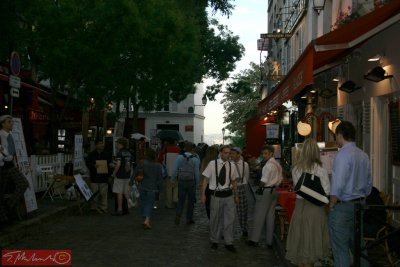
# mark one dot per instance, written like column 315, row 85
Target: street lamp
column 203, row 101
column 223, row 136
column 319, row 5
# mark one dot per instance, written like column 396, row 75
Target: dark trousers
column 13, row 184
column 186, row 189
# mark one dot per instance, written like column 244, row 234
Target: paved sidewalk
column 105, row 240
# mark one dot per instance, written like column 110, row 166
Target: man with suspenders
column 221, row 174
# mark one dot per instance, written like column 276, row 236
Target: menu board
column 24, row 164
column 327, row 158
column 394, row 119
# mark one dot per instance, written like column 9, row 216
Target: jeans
column 341, row 232
column 186, row 188
column 147, row 199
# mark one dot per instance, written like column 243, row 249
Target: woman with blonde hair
column 308, row 237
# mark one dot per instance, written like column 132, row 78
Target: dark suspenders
column 216, row 174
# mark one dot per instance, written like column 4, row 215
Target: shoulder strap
column 216, row 174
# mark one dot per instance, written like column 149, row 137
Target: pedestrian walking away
column 351, row 183
column 264, row 210
column 186, row 172
column 149, row 185
column 243, row 170
column 220, row 175
column 308, row 236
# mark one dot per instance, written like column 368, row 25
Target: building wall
column 188, row 115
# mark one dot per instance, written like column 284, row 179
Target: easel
column 81, row 201
column 85, row 194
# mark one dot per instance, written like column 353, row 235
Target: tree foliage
column 240, row 102
column 151, row 51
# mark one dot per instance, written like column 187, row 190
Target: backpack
column 186, row 169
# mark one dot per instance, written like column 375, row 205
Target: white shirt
column 318, row 171
column 271, row 173
column 210, row 173
column 243, row 174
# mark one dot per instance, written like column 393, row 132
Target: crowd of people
column 222, row 176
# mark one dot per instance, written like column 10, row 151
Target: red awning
column 326, row 49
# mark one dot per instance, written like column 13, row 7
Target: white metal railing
column 56, row 161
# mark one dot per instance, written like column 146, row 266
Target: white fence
column 57, row 163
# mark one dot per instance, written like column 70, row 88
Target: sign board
column 264, row 44
column 272, row 131
column 24, row 164
column 15, row 63
column 83, row 187
column 327, row 158
column 275, row 35
column 14, row 81
column 14, row 92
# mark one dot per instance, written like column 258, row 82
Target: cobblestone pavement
column 105, row 240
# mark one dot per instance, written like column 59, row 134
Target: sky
column 248, row 20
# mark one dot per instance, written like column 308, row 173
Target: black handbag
column 309, row 187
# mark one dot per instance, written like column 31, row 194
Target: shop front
column 358, row 95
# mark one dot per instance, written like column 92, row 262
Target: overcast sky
column 248, row 20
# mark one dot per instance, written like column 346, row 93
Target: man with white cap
column 243, row 171
column 9, row 170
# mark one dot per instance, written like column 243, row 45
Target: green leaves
column 241, row 99
column 152, row 51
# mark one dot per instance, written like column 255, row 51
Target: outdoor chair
column 280, row 213
column 50, row 182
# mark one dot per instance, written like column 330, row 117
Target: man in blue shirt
column 186, row 171
column 351, row 183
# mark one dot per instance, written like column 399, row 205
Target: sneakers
column 231, row 248
column 155, row 205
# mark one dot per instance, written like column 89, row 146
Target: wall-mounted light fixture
column 349, row 87
column 333, row 124
column 318, row 5
column 377, row 74
column 376, row 57
column 303, row 128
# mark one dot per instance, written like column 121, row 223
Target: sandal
column 146, row 226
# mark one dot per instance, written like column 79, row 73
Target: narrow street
column 105, row 240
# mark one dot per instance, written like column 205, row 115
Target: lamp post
column 319, row 5
column 223, row 136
